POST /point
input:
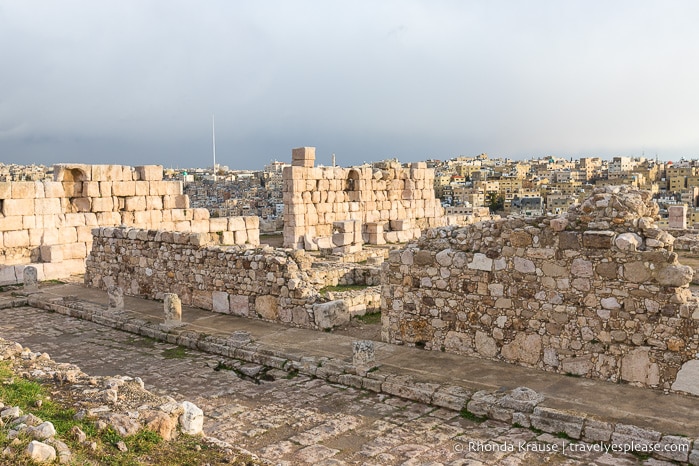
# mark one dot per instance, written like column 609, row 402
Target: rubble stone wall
column 597, row 293
column 391, row 202
column 49, row 223
column 262, row 283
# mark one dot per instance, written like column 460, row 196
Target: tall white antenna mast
column 213, row 140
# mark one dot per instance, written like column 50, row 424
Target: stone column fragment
column 31, row 280
column 116, row 298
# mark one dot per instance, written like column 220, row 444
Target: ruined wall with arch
column 49, row 223
column 391, row 202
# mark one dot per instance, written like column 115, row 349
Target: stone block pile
column 391, row 202
column 597, row 293
column 49, row 223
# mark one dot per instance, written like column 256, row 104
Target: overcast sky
column 137, row 81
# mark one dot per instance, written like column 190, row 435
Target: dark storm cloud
column 137, row 81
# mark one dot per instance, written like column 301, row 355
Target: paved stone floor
column 294, row 420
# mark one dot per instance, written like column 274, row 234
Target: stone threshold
column 520, row 407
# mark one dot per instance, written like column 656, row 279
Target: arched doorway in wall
column 352, row 185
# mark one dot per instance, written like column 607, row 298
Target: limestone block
column 598, row 239
column 330, row 314
column 105, row 188
column 150, row 172
column 72, row 189
column 267, row 307
column 16, row 239
column 241, row 237
column 128, row 173
column 199, row 226
column 142, row 218
column 84, row 234
column 154, row 203
column 343, row 239
column 102, row 204
column 220, row 302
column 239, row 304
column 29, row 222
column 218, row 224
column 252, row 222
column 181, row 214
column 49, row 236
column 675, row 275
column 172, row 307
column 123, row 188
column 134, row 203
column 688, row 378
column 106, row 218
column 35, row 237
column 142, row 188
column 31, row 282
column 554, row 420
column 5, row 190
column 236, row 223
column 23, row 190
column 91, row 189
column 14, row 222
column 636, row 366
column 173, row 188
column 17, row 206
column 67, row 235
column 200, row 214
column 192, row 419
column 74, row 251
column 81, row 204
column 171, row 201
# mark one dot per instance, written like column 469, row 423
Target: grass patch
column 370, row 318
column 144, row 448
column 178, row 352
column 53, row 282
column 468, row 415
column 341, row 288
column 292, row 374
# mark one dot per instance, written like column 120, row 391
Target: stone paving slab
column 295, row 420
column 615, row 403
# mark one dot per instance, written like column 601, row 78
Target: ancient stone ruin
column 597, row 292
column 49, row 223
column 388, row 203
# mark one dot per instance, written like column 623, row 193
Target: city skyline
column 136, row 82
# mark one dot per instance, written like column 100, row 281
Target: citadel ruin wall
column 596, row 293
column 49, row 223
column 264, row 283
column 389, row 202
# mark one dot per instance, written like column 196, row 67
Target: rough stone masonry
column 390, row 203
column 597, row 293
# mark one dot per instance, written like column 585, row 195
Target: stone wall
column 264, row 283
column 596, row 293
column 391, row 203
column 49, row 223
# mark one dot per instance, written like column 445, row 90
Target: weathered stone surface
column 628, row 242
column 524, row 348
column 331, row 314
column 637, row 367
column 40, row 452
column 675, row 275
column 598, row 239
column 521, row 399
column 688, row 378
column 115, row 296
column 485, row 345
column 267, row 307
column 172, row 306
column 31, row 281
column 192, row 419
